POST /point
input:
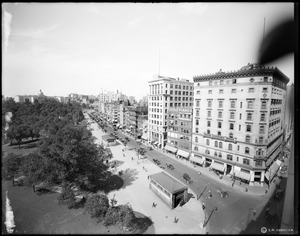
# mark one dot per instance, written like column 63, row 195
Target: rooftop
column 169, row 183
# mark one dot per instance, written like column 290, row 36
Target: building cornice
column 257, row 71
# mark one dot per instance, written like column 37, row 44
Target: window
column 220, row 104
column 207, row 141
column 208, row 123
column 248, row 128
column 230, row 146
column 248, row 139
column 219, row 114
column 240, row 116
column 241, row 105
column 220, row 155
column 198, row 91
column 232, row 104
column 258, row 163
column 231, row 115
column 197, row 103
column 208, row 113
column 246, row 161
column 216, row 154
column 196, row 148
column 263, row 104
column 221, row 91
column 250, row 104
column 209, row 91
column 247, row 150
column 249, row 116
column 219, row 133
column 260, row 140
column 262, row 117
column 208, row 131
column 229, row 157
column 231, row 126
column 197, row 130
column 220, row 145
column 233, row 90
column 197, row 122
column 219, row 124
column 261, row 129
column 230, row 135
column 197, row 112
column 251, row 90
column 265, row 90
column 221, row 82
column 196, row 139
column 209, row 103
column 216, row 143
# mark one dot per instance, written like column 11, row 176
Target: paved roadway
column 233, row 213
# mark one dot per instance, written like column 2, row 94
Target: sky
column 87, row 48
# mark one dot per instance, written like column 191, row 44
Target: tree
column 126, row 215
column 97, row 206
column 11, row 166
column 67, row 197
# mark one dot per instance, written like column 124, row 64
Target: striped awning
column 218, row 166
column 243, row 175
column 272, row 170
column 170, row 148
column 183, row 153
column 199, row 160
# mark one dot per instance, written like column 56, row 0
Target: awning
column 199, row 160
column 183, row 153
column 218, row 166
column 170, row 148
column 242, row 175
column 145, row 136
column 272, row 170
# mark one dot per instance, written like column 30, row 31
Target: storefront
column 170, row 149
column 218, row 166
column 272, row 171
column 242, row 175
column 197, row 160
column 183, row 154
column 168, row 189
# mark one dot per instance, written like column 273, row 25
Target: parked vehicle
column 187, row 178
column 170, row 166
column 222, row 193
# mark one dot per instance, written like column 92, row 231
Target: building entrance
column 228, row 169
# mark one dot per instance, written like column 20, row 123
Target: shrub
column 112, row 216
column 67, row 197
column 97, row 206
column 11, row 166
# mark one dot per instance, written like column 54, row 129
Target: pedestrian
column 203, row 206
column 175, row 219
column 254, row 212
column 153, row 205
column 267, row 210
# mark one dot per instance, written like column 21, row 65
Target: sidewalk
column 138, row 194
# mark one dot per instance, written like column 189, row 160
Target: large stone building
column 165, row 93
column 238, row 122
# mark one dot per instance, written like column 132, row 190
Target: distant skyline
column 64, row 48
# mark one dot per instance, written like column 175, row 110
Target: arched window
column 248, row 139
column 216, row 154
column 247, row 150
column 230, row 146
column 196, row 148
column 196, row 139
column 220, row 154
column 230, row 135
column 216, row 143
column 207, row 141
column 220, row 145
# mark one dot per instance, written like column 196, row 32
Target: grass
column 26, row 147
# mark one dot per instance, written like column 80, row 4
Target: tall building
column 238, row 122
column 289, row 112
column 165, row 93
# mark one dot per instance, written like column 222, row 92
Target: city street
column 233, row 213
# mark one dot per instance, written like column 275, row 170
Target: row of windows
column 183, row 87
column 233, row 90
column 182, row 123
column 181, row 104
column 274, row 123
column 183, row 99
column 276, row 101
column 246, row 161
column 250, row 104
column 275, row 112
column 179, row 93
column 180, row 115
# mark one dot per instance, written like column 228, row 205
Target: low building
column 170, row 190
column 108, row 141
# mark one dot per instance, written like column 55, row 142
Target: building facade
column 238, row 121
column 165, row 93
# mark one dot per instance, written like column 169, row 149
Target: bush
column 97, row 206
column 112, row 216
column 11, row 166
column 67, row 197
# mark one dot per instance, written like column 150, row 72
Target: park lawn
column 41, row 214
column 26, row 147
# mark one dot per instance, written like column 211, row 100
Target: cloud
column 192, row 8
column 7, row 29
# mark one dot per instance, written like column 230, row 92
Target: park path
column 138, row 194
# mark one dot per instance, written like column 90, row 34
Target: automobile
column 170, row 166
column 186, row 177
column 283, row 169
column 222, row 193
column 157, row 162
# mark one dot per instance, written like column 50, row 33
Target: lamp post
column 206, row 221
